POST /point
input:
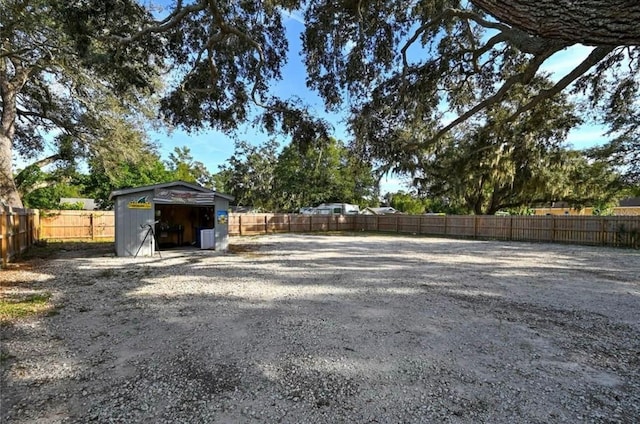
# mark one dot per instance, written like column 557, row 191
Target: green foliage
column 266, row 179
column 88, row 73
column 519, row 211
column 81, row 92
column 48, row 196
column 404, row 66
column 14, row 308
column 414, row 205
column 499, row 164
column 405, row 202
column 184, row 168
column 148, row 169
column 249, row 174
column 77, row 206
column 323, row 173
column 603, row 209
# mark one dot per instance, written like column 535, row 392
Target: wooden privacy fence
column 265, row 223
column 18, row 231
column 77, row 225
column 20, row 228
column 622, row 231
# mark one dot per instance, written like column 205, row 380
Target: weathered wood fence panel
column 251, row 224
column 495, row 227
column 434, row 225
column 77, row 225
column 18, row 231
column 20, row 228
column 587, row 230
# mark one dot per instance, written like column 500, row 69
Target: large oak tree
column 440, row 64
column 60, row 60
column 422, row 57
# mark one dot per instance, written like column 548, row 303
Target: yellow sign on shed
column 139, row 205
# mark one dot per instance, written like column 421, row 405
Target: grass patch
column 14, row 308
column 107, row 273
column 5, row 356
column 46, row 249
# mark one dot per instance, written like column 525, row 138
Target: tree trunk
column 8, row 190
column 589, row 22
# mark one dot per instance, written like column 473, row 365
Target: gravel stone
column 314, row 329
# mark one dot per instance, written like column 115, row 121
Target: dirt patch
column 293, row 328
column 247, row 249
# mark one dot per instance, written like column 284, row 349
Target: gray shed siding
column 129, row 233
column 132, row 224
column 222, row 230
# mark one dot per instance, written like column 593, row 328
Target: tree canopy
column 268, row 178
column 428, row 68
column 64, row 66
column 438, row 65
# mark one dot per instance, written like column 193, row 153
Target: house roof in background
column 87, row 204
column 631, row 201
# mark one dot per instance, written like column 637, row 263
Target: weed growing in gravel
column 5, row 356
column 13, row 308
column 107, row 273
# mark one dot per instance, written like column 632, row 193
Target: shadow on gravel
column 348, row 331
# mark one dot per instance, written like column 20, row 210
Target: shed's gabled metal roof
column 172, row 184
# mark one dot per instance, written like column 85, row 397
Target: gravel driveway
column 330, row 329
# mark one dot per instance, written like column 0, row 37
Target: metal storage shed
column 175, row 214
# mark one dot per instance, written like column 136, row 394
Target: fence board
column 74, row 225
column 18, row 231
column 433, row 225
column 460, row 226
column 494, row 227
column 20, row 228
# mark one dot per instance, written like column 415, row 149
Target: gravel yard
column 329, row 329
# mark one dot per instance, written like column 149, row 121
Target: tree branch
column 588, row 22
column 521, row 78
column 165, row 25
column 47, row 161
column 593, row 59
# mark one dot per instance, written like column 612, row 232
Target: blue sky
column 214, row 148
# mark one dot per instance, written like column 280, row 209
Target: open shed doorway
column 181, row 225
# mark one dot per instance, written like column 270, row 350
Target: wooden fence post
column 240, row 224
column 603, row 230
column 511, row 228
column 475, row 226
column 3, row 235
column 310, row 223
column 91, row 229
column 36, row 225
column 553, row 228
column 445, row 224
column 266, row 225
